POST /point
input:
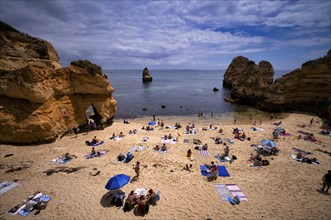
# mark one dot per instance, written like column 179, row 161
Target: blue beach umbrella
column 117, row 181
column 152, row 123
column 269, row 143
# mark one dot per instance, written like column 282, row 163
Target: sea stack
column 40, row 101
column 146, row 75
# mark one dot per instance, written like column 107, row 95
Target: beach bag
column 88, row 143
column 265, row 163
column 118, row 199
column 234, row 157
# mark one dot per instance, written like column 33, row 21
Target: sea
column 174, row 93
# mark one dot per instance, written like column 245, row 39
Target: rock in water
column 305, row 89
column 41, row 101
column 146, row 75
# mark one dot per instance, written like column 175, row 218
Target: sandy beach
column 286, row 189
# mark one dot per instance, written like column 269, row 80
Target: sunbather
column 143, row 205
column 152, row 197
column 226, row 151
column 164, row 147
column 157, row 147
column 130, row 201
column 205, row 147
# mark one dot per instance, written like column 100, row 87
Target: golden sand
column 286, row 189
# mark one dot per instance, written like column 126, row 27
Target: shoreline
column 286, row 188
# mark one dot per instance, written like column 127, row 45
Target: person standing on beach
column 234, row 120
column 326, row 181
column 261, row 120
column 153, row 117
column 137, row 169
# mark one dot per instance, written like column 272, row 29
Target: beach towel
column 186, row 140
column 257, row 129
column 90, row 155
column 229, row 140
column 161, row 152
column 204, row 170
column 61, row 160
column 193, row 131
column 133, row 149
column 3, row 184
column 145, row 139
column 222, row 171
column 168, row 141
column 171, row 127
column 117, row 138
column 204, row 153
column 43, row 198
column 137, row 148
column 223, row 192
column 235, row 191
column 294, row 157
column 97, row 144
column 226, row 159
column 7, row 187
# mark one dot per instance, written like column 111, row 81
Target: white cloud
column 131, row 33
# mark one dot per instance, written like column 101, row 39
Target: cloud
column 120, row 34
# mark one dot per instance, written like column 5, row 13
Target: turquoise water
column 183, row 92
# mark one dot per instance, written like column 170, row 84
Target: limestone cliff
column 305, row 89
column 146, row 75
column 39, row 101
column 18, row 50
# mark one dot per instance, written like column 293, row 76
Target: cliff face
column 19, row 49
column 305, row 89
column 248, row 80
column 40, row 101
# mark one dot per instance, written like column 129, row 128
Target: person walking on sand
column 234, row 120
column 137, row 169
column 326, row 181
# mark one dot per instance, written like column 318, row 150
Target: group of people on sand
column 239, row 134
column 142, row 202
column 190, row 129
column 120, row 135
column 164, row 147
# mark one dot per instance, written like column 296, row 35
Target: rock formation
column 39, row 101
column 146, row 75
column 305, row 89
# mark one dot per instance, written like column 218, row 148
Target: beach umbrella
column 117, row 181
column 269, row 143
column 152, row 123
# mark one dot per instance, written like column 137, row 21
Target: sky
column 180, row 34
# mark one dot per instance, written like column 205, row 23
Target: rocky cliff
column 146, row 75
column 305, row 89
column 39, row 101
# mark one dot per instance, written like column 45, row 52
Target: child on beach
column 137, row 169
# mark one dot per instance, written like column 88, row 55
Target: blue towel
column 203, row 170
column 229, row 140
column 222, row 171
column 43, row 198
column 23, row 212
column 9, row 187
column 97, row 144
